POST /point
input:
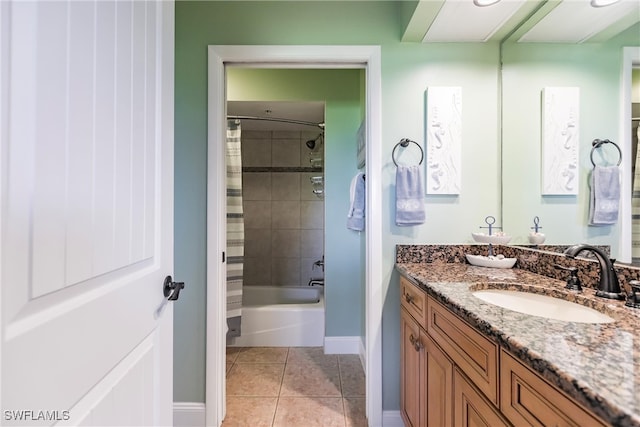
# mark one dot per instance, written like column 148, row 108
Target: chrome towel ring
column 597, row 143
column 404, row 142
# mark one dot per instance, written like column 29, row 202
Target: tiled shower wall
column 284, row 219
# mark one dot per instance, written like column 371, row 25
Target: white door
column 86, row 185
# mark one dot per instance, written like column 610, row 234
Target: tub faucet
column 318, row 263
column 608, row 286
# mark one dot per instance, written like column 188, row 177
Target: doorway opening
column 360, row 57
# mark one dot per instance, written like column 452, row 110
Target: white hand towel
column 605, row 195
column 409, row 196
column 355, row 216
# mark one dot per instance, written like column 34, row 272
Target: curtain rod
column 276, row 119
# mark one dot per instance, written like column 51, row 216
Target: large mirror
column 602, row 73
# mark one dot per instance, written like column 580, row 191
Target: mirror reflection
column 607, row 77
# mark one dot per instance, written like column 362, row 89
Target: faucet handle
column 573, row 283
column 634, row 299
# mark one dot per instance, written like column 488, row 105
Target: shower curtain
column 235, row 229
column 635, row 201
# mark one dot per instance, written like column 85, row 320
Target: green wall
column 340, row 90
column 407, row 70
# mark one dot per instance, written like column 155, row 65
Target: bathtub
column 281, row 316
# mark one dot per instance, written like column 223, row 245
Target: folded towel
column 409, row 196
column 355, row 217
column 605, row 195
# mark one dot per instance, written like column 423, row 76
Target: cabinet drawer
column 471, row 408
column 414, row 300
column 474, row 354
column 527, row 399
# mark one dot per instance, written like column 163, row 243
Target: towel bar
column 404, row 142
column 598, row 142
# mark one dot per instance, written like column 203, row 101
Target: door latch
column 171, row 289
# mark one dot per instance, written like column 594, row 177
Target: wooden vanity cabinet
column 452, row 375
column 426, row 386
column 527, row 399
column 472, row 409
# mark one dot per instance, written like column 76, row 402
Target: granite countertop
column 596, row 364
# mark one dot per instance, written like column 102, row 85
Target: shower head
column 311, row 144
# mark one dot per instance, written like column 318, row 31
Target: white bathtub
column 281, row 316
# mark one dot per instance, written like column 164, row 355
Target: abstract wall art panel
column 560, row 136
column 444, row 140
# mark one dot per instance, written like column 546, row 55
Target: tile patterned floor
column 293, row 387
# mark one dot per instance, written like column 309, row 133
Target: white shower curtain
column 235, row 229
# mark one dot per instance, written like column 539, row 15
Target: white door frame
column 630, row 59
column 367, row 57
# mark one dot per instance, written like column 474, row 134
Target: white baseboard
column 342, row 345
column 392, row 419
column 188, row 414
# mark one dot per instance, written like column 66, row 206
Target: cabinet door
column 471, row 408
column 438, row 385
column 528, row 399
column 410, row 351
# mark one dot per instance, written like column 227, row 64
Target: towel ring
column 598, row 142
column 404, row 142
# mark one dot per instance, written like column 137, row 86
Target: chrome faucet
column 608, row 286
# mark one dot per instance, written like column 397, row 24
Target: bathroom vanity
column 468, row 362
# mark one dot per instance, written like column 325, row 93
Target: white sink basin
column 542, row 306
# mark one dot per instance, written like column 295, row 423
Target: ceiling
column 523, row 21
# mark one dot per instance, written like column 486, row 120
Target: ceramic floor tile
column 311, row 380
column 352, row 377
column 255, row 379
column 250, row 411
column 309, row 412
column 355, row 412
column 232, row 353
column 311, row 355
column 263, row 355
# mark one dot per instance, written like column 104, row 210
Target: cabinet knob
column 408, row 298
column 417, row 345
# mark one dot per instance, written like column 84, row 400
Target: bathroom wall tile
column 256, row 152
column 257, row 214
column 311, row 243
column 256, row 134
column 257, row 242
column 257, row 271
column 255, row 379
column 286, row 134
column 309, row 412
column 250, row 411
column 256, row 186
column 285, row 214
column 285, row 272
column 312, row 215
column 285, row 186
column 285, row 152
column 285, row 243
